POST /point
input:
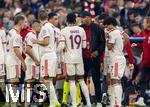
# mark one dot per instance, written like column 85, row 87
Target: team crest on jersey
column 18, row 41
column 44, row 32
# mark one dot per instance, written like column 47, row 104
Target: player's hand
column 102, row 66
column 108, row 79
column 37, row 63
column 88, row 45
column 94, row 54
column 134, row 45
column 35, row 41
column 131, row 66
column 24, row 67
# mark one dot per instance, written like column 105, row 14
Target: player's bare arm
column 43, row 42
column 61, row 43
column 125, row 38
column 94, row 54
column 110, row 46
column 30, row 53
column 19, row 55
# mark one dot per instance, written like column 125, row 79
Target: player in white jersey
column 53, row 19
column 115, row 45
column 74, row 39
column 2, row 51
column 32, row 58
column 106, row 55
column 14, row 59
column 2, row 57
column 32, row 51
column 48, row 57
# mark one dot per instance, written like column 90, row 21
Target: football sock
column 66, row 91
column 53, row 97
column 28, row 94
column 73, row 92
column 85, row 91
column 111, row 93
column 118, row 94
column 79, row 98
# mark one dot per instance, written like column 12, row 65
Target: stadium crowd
column 96, row 51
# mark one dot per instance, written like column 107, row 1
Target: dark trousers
column 92, row 68
column 145, row 78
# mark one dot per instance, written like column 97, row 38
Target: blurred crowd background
column 126, row 12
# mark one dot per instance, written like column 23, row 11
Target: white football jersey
column 48, row 30
column 14, row 40
column 74, row 39
column 28, row 42
column 58, row 52
column 57, row 37
column 57, row 32
column 107, row 52
column 116, row 38
column 2, row 46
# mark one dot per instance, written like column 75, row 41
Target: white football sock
column 118, row 94
column 7, row 93
column 73, row 92
column 28, row 94
column 109, row 90
column 111, row 93
column 53, row 97
column 85, row 91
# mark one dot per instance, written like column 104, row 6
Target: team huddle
column 43, row 44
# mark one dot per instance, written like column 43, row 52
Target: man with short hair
column 117, row 62
column 73, row 40
column 14, row 59
column 48, row 57
column 95, row 41
column 2, row 57
column 32, row 59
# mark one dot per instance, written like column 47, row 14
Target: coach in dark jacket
column 91, row 55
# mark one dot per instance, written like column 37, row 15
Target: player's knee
column 80, row 77
column 115, row 81
column 71, row 78
column 14, row 81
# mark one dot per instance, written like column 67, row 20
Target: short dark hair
column 18, row 18
column 115, row 14
column 43, row 15
column 110, row 21
column 131, row 11
column 135, row 25
column 102, row 16
column 35, row 21
column 71, row 18
column 115, row 6
column 51, row 15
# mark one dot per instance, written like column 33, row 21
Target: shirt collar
column 44, row 22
